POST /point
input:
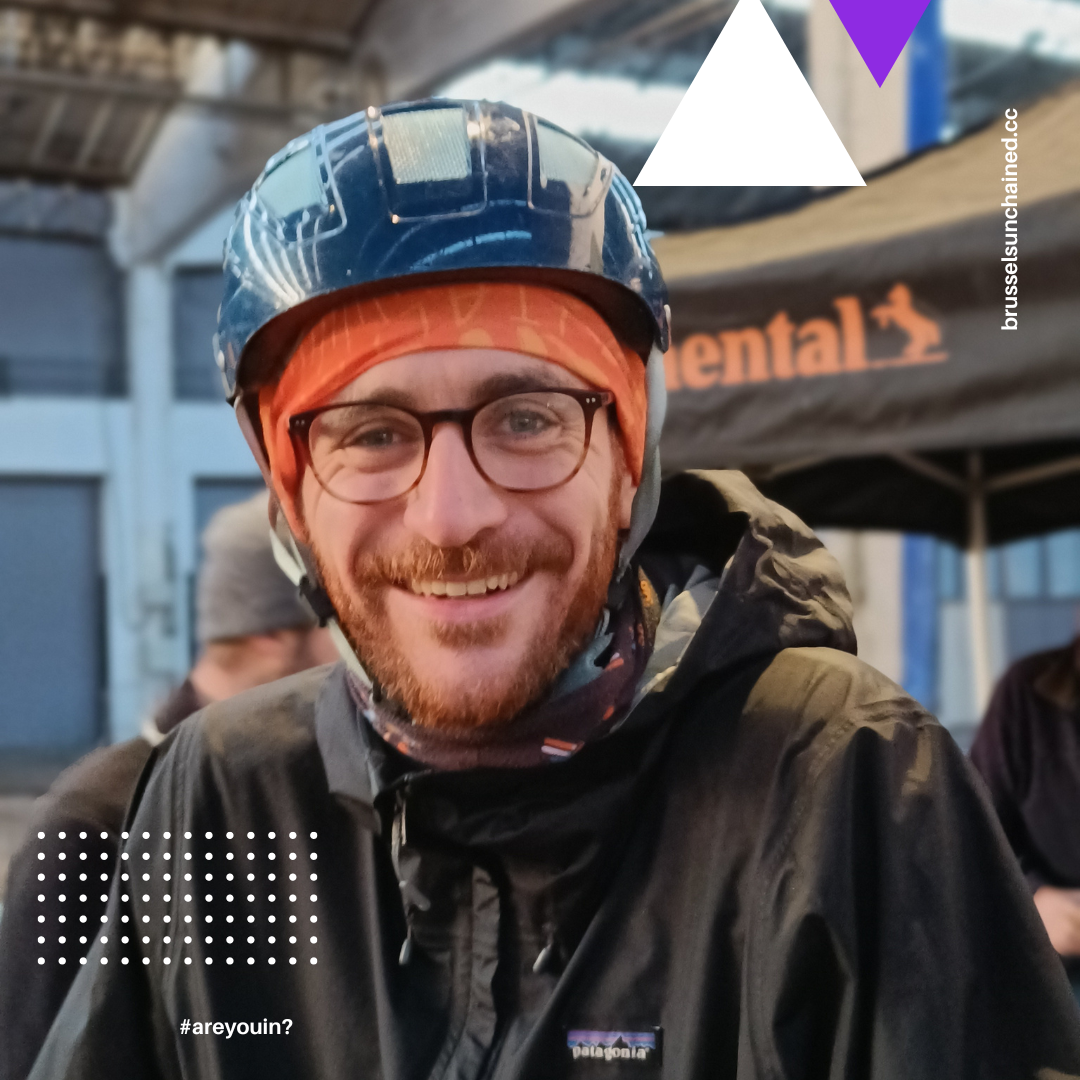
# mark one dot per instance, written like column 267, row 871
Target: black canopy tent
column 850, row 355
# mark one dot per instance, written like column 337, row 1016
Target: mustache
column 424, row 561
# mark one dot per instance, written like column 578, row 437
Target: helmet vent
column 429, row 145
column 564, row 159
column 293, row 184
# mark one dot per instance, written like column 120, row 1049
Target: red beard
column 366, row 624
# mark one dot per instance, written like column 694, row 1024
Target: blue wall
column 927, row 79
column 920, row 625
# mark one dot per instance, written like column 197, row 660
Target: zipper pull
column 547, row 953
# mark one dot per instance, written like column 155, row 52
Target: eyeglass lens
column 524, row 442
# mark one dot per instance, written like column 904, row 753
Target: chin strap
column 298, row 566
column 292, row 557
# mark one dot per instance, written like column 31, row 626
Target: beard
column 556, row 638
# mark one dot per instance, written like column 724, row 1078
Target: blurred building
column 128, row 130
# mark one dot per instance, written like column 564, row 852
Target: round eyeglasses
column 366, row 452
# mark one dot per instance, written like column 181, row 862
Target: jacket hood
column 779, row 587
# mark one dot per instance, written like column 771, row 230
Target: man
column 592, row 793
column 252, row 627
column 1028, row 751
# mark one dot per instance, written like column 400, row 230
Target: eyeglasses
column 364, row 452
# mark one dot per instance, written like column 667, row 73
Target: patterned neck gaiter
column 591, row 697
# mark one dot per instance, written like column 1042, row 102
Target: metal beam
column 978, row 594
column 96, row 128
column 774, row 472
column 1036, row 474
column 419, row 47
column 934, row 472
column 57, row 108
column 144, row 132
column 164, row 94
column 61, row 173
column 258, row 31
column 679, row 20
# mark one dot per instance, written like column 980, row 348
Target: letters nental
column 817, row 347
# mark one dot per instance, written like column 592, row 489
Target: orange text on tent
column 787, row 350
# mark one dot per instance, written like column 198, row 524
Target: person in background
column 251, row 624
column 253, row 628
column 1028, row 752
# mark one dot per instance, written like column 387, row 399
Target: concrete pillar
column 161, row 656
column 872, row 121
column 197, row 162
column 872, row 563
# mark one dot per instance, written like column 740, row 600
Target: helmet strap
column 295, row 559
column 647, row 499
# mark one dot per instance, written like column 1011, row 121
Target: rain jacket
column 778, row 866
column 82, row 813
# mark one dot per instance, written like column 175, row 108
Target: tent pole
column 978, row 603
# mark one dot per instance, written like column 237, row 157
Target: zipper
column 412, row 899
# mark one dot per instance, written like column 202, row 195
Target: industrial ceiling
column 85, row 84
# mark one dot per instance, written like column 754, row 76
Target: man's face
column 464, row 661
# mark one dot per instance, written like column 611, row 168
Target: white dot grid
column 150, row 896
column 74, row 889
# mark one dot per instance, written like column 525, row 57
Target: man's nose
column 452, row 502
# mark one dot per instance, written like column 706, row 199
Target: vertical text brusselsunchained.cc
column 1010, row 259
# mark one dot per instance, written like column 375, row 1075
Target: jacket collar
column 779, row 587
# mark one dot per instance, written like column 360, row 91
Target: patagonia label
column 640, row 1047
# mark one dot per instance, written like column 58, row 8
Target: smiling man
column 463, row 504
column 599, row 788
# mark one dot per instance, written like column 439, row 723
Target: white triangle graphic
column 749, row 119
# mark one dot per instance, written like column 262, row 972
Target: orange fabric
column 530, row 319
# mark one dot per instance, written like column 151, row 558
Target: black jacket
column 777, row 866
column 81, row 814
column 1028, row 751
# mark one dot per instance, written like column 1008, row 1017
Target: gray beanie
column 240, row 588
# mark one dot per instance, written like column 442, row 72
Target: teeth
column 464, row 588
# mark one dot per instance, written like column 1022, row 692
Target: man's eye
column 527, row 422
column 374, row 438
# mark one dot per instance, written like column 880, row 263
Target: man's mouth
column 472, row 587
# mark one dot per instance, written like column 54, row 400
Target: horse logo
column 924, row 335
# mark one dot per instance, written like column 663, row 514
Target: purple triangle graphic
column 879, row 29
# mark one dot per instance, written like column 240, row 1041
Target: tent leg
column 978, row 602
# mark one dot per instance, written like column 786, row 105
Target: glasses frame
column 591, row 401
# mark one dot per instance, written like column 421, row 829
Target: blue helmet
column 419, row 192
